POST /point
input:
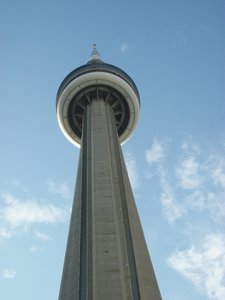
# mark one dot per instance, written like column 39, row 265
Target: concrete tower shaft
column 106, row 255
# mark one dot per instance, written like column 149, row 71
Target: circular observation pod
column 93, row 81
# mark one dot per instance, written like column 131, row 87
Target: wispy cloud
column 187, row 173
column 34, row 249
column 61, row 189
column 17, row 212
column 192, row 191
column 132, row 170
column 171, row 209
column 17, row 216
column 5, row 233
column 200, row 182
column 157, row 152
column 8, row 274
column 217, row 167
column 124, row 47
column 196, row 180
column 204, row 265
column 22, row 187
column 189, row 147
column 41, row 236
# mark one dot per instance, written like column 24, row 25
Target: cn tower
column 106, row 256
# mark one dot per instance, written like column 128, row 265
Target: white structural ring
column 95, row 79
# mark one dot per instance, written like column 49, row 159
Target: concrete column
column 106, row 257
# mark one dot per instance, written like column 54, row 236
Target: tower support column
column 106, row 256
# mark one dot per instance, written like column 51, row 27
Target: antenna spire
column 95, row 56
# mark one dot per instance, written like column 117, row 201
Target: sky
column 174, row 51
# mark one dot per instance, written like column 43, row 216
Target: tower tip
column 95, row 56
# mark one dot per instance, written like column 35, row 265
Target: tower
column 106, row 255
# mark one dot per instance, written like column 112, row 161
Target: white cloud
column 5, row 233
column 41, row 236
column 8, row 274
column 218, row 171
column 17, row 212
column 171, row 208
column 132, row 170
column 156, row 153
column 21, row 186
column 195, row 200
column 187, row 173
column 204, row 265
column 34, row 249
column 189, row 147
column 192, row 189
column 124, row 47
column 61, row 189
column 195, row 184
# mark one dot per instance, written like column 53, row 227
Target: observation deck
column 94, row 81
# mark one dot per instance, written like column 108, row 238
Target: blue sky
column 174, row 51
